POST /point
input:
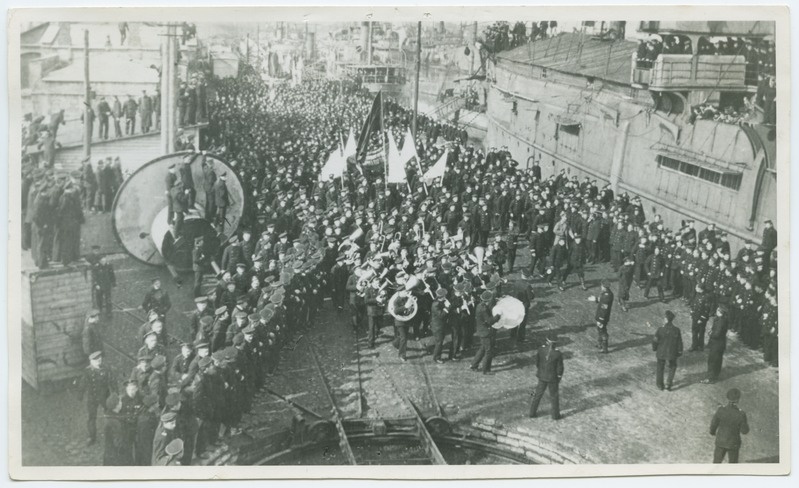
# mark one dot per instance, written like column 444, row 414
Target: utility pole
column 474, row 46
column 416, row 83
column 87, row 123
column 369, row 44
column 248, row 48
column 169, row 90
column 166, row 71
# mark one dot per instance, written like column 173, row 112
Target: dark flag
column 373, row 128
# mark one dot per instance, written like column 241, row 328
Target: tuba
column 403, row 306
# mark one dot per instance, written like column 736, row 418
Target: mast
column 169, row 90
column 473, row 49
column 87, row 125
column 416, row 82
column 369, row 44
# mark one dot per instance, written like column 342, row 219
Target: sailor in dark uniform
column 439, row 318
column 625, row 281
column 549, row 362
column 728, row 423
column 131, row 402
column 667, row 344
column 157, row 299
column 97, row 385
column 604, row 304
column 700, row 313
column 717, row 344
column 164, row 434
column 484, row 330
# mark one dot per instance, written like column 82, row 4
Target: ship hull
column 706, row 171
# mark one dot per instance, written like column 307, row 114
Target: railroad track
column 401, row 438
column 425, row 437
column 344, row 442
column 418, row 446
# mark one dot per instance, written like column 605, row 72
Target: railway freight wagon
column 54, row 306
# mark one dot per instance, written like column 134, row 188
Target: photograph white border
column 779, row 14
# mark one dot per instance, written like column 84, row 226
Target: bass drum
column 140, row 211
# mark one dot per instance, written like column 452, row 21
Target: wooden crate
column 54, row 306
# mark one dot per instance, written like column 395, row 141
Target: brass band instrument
column 364, row 279
column 410, row 304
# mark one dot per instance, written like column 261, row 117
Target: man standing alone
column 668, row 345
column 549, row 362
column 485, row 319
column 604, row 304
column 727, row 425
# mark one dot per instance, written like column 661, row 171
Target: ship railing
column 690, row 71
column 382, row 79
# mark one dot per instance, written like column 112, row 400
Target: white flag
column 334, row 167
column 409, row 149
column 396, row 166
column 351, row 147
column 438, row 169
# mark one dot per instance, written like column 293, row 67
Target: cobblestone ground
column 610, row 405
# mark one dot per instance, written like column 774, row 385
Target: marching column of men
column 422, row 254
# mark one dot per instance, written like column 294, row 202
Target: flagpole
column 418, row 69
column 383, row 132
column 416, row 99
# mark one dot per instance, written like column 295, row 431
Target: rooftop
column 107, row 68
column 578, row 54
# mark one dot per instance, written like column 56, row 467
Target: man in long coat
column 549, row 362
column 70, row 219
column 668, row 346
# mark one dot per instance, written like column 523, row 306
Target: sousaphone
column 403, row 306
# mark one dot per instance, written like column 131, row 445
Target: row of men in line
column 211, row 382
